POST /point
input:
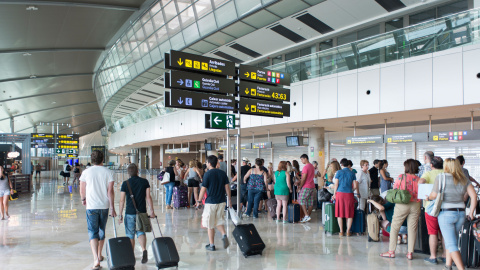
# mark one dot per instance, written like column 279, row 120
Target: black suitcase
column 164, row 250
column 466, row 243
column 421, row 244
column 248, row 240
column 120, row 253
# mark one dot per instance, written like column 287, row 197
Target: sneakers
column 145, row 257
column 431, row 261
column 245, row 215
column 277, row 221
column 306, row 219
column 226, row 243
column 210, row 247
column 285, row 222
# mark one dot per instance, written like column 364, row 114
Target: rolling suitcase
column 120, row 252
column 373, row 226
column 294, row 212
column 331, row 223
column 466, row 243
column 164, row 250
column 358, row 225
column 180, row 196
column 248, row 240
column 323, row 211
column 272, row 208
column 421, row 244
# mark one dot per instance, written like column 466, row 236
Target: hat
column 245, row 159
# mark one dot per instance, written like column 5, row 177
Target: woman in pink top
column 408, row 181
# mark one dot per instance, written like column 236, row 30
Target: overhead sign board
column 263, row 91
column 42, row 140
column 199, row 101
column 220, row 121
column 177, row 150
column 198, row 82
column 198, row 63
column 224, row 147
column 405, row 138
column 264, row 108
column 365, row 139
column 244, row 146
column 255, row 74
column 69, row 141
column 262, row 145
column 459, row 135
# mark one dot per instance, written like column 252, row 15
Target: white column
column 316, row 142
column 161, row 156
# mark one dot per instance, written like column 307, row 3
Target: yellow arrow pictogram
column 246, row 108
column 180, row 62
column 247, row 74
column 246, row 91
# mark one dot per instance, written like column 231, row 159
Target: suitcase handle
column 160, row 230
column 114, row 227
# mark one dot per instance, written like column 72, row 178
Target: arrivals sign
column 459, row 135
column 263, row 91
column 198, row 82
column 199, row 101
column 405, row 138
column 197, row 63
column 255, row 74
column 264, row 108
column 365, row 139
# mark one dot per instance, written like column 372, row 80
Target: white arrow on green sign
column 222, row 121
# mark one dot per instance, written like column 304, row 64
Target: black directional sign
column 255, row 74
column 263, row 91
column 264, row 108
column 198, row 82
column 199, row 101
column 197, row 63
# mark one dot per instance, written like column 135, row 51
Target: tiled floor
column 48, row 230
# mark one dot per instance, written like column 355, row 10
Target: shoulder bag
column 399, row 195
column 166, row 178
column 143, row 220
column 433, row 209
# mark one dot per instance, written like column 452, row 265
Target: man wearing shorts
column 97, row 193
column 307, row 188
column 216, row 185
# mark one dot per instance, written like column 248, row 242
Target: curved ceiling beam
column 85, row 124
column 63, row 106
column 53, row 50
column 47, row 94
column 71, row 4
column 59, row 119
column 47, row 76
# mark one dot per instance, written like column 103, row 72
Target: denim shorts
column 451, row 223
column 131, row 225
column 4, row 193
column 96, row 222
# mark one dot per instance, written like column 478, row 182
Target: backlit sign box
column 263, row 91
column 198, row 63
column 199, row 101
column 365, row 139
column 255, row 74
column 405, row 138
column 458, row 135
column 264, row 108
column 198, row 82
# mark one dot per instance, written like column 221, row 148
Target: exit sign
column 220, row 121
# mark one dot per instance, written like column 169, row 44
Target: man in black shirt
column 216, row 185
column 374, row 185
column 140, row 189
column 240, row 185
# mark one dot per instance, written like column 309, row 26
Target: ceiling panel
column 238, row 29
column 299, row 28
column 361, row 10
column 203, row 46
column 219, row 38
column 287, row 8
column 333, row 15
column 271, row 41
column 261, row 19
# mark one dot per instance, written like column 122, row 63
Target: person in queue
column 222, row 165
column 385, row 211
column 270, row 186
column 452, row 213
column 363, row 179
column 375, row 181
column 179, row 172
column 282, row 190
column 328, row 174
column 295, row 177
column 217, row 186
column 257, row 181
column 407, row 181
column 6, row 189
column 169, row 186
column 461, row 159
column 98, row 195
column 343, row 195
column 426, row 167
column 193, row 175
column 335, row 167
column 433, row 227
column 140, row 188
column 241, row 186
column 385, row 179
column 307, row 189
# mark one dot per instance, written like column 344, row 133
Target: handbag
column 143, row 220
column 433, row 209
column 399, row 195
column 13, row 196
column 166, row 178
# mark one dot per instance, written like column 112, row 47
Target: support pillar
column 316, row 146
column 162, row 150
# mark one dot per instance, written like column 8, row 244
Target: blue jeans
column 169, row 192
column 130, row 226
column 96, row 223
column 451, row 223
column 254, row 197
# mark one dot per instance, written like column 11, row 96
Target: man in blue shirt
column 216, row 185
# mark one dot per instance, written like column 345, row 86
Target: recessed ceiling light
column 33, row 76
column 27, row 54
column 53, row 102
column 32, row 8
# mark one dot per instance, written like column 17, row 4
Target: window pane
column 140, row 35
column 155, row 9
column 148, row 27
column 203, row 7
column 307, row 51
column 183, row 4
column 173, row 26
column 191, row 34
column 162, row 34
column 347, row 38
column 152, row 41
column 292, row 55
column 422, row 16
column 207, row 24
column 218, row 3
column 177, row 41
column 158, row 20
column 170, row 11
column 225, row 14
column 277, row 59
column 245, row 6
column 371, row 31
column 325, row 45
column 263, row 64
column 145, row 18
column 187, row 17
column 452, row 8
column 394, row 25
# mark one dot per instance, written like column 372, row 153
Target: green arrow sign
column 222, row 121
column 60, row 151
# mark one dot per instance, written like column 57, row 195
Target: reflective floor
column 48, row 230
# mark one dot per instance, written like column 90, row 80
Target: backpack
column 68, row 168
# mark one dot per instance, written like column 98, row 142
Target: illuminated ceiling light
column 27, row 54
column 13, row 154
column 32, row 8
column 53, row 102
column 33, row 76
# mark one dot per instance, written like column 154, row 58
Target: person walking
column 77, row 172
column 452, row 213
column 343, row 195
column 217, row 186
column 98, row 195
column 374, row 184
column 169, row 186
column 363, row 178
column 257, row 181
column 307, row 188
column 282, row 190
column 38, row 170
column 6, row 189
column 66, row 173
column 193, row 177
column 136, row 190
column 407, row 181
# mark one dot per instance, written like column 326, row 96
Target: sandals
column 409, row 256
column 349, row 234
column 340, row 234
column 389, row 254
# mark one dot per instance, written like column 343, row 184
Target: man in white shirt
column 97, row 193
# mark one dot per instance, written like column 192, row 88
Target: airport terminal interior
column 152, row 84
